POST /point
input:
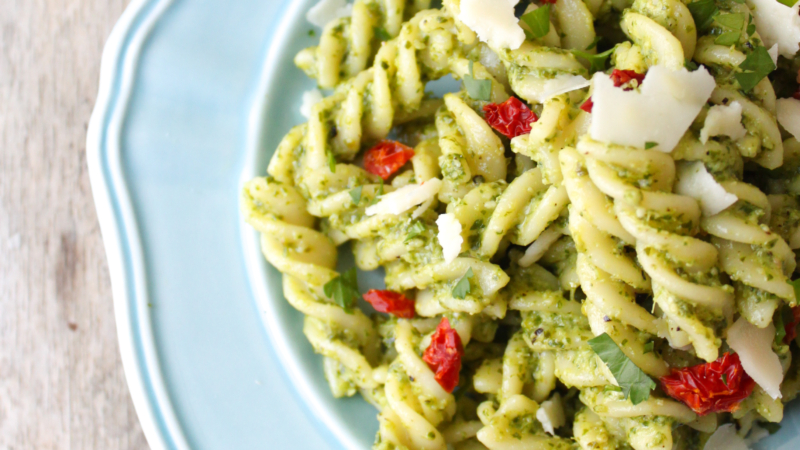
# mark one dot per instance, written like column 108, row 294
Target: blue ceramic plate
column 194, row 97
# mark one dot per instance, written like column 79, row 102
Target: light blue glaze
column 182, row 136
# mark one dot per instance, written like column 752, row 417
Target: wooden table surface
column 61, row 380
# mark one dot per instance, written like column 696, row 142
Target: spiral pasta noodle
column 537, row 246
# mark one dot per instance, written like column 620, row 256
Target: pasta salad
column 590, row 245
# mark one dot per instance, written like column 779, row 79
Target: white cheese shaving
column 778, row 24
column 536, row 250
column 449, row 236
column 493, row 21
column 405, row 198
column 789, row 115
column 326, row 11
column 725, row 438
column 551, row 414
column 723, row 120
column 695, row 181
column 559, row 85
column 773, row 53
column 754, row 347
column 660, row 112
column 310, row 98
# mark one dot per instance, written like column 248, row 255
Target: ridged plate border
column 119, row 229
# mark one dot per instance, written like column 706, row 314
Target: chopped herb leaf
column 751, row 29
column 725, row 379
column 690, row 65
column 732, row 21
column 378, row 194
column 355, row 194
column 597, row 62
column 382, row 34
column 635, row 384
column 343, row 290
column 538, row 21
column 312, row 33
column 728, row 38
column 331, row 161
column 788, row 3
column 648, row 348
column 703, row 13
column 463, row 286
column 477, row 89
column 594, row 43
column 741, row 2
column 796, row 285
column 755, row 67
column 414, row 230
column 649, row 145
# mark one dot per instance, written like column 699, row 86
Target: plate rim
column 119, row 228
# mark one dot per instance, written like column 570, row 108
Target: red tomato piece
column 587, row 105
column 390, row 302
column 443, row 355
column 717, row 386
column 511, row 118
column 791, row 327
column 386, row 158
column 620, row 77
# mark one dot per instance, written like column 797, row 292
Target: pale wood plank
column 61, row 380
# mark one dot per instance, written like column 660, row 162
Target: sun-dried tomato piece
column 588, row 105
column 511, row 118
column 791, row 327
column 443, row 355
column 621, row 77
column 386, row 158
column 390, row 302
column 717, row 386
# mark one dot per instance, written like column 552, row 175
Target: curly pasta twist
column 686, row 284
column 307, row 259
column 347, row 45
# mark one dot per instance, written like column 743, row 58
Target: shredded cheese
column 559, row 85
column 310, row 98
column 695, row 181
column 723, row 120
column 551, row 414
column 789, row 115
column 326, row 11
column 660, row 112
column 449, row 236
column 405, row 198
column 754, row 346
column 493, row 21
column 778, row 24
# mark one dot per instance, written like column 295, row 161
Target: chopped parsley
column 649, row 145
column 477, row 89
column 463, row 286
column 343, row 290
column 635, row 384
column 703, row 13
column 355, row 194
column 754, row 68
column 414, row 230
column 597, row 63
column 331, row 161
column 382, row 34
column 538, row 21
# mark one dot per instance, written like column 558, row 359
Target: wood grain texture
column 61, row 380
